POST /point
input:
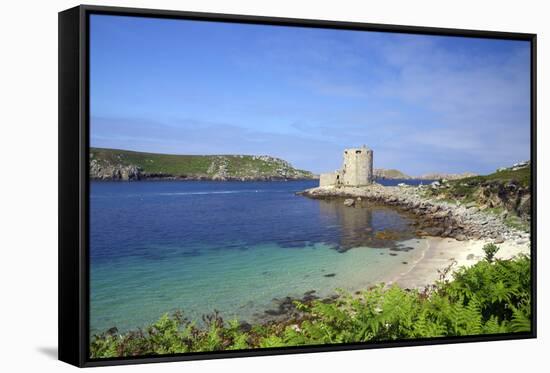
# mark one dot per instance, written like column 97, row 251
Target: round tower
column 357, row 169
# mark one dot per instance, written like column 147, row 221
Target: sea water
column 199, row 246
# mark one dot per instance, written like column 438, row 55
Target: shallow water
column 229, row 246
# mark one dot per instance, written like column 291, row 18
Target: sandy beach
column 438, row 253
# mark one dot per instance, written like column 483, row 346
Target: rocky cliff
column 506, row 191
column 114, row 164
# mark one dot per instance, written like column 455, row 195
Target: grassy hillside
column 506, row 192
column 106, row 162
column 381, row 173
column 466, row 189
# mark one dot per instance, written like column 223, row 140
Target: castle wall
column 357, row 169
column 370, row 170
column 328, row 179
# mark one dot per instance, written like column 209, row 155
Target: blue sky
column 422, row 103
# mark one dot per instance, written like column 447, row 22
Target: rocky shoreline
column 441, row 224
column 435, row 217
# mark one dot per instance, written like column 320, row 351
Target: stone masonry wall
column 357, row 169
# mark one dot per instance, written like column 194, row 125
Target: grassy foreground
column 492, row 296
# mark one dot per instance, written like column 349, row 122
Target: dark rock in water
column 309, row 296
column 245, row 327
column 470, row 257
column 402, row 248
column 330, row 275
column 330, row 298
column 112, row 331
column 405, row 262
column 286, row 309
column 393, row 254
column 276, row 312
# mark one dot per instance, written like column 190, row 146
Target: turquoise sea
column 159, row 246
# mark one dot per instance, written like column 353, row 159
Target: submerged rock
column 349, row 202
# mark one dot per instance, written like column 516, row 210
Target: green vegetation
column 490, row 250
column 493, row 296
column 197, row 166
column 467, row 188
column 506, row 193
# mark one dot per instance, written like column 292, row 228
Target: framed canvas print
column 237, row 186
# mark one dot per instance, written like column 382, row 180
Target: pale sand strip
column 438, row 253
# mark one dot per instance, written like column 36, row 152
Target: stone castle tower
column 356, row 169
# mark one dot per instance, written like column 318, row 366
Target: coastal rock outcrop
column 435, row 217
column 506, row 191
column 510, row 196
column 105, row 171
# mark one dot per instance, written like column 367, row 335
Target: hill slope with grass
column 382, row 173
column 506, row 191
column 115, row 164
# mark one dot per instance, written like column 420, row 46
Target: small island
column 126, row 165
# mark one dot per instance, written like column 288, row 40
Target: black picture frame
column 74, row 180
